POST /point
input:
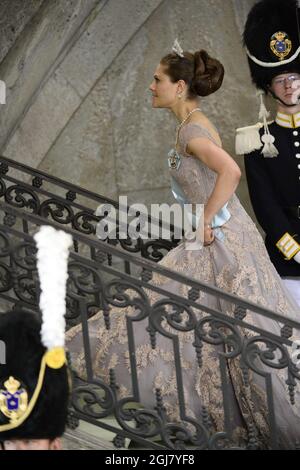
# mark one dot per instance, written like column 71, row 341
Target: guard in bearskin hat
column 34, row 377
column 272, row 148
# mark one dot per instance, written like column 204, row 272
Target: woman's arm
column 228, row 177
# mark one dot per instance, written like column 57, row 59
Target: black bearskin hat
column 271, row 35
column 20, row 334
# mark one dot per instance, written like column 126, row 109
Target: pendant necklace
column 174, row 159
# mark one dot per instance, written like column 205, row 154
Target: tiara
column 177, row 48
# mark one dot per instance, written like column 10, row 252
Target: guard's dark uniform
column 274, row 188
column 272, row 151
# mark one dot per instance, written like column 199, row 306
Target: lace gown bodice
column 194, row 177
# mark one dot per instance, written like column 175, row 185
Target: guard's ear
column 56, row 444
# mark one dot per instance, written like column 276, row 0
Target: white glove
column 297, row 257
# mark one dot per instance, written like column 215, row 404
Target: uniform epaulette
column 247, row 139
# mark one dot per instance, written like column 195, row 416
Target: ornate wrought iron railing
column 71, row 206
column 222, row 348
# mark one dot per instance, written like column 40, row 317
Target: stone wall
column 14, row 16
column 77, row 76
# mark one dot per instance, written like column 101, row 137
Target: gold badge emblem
column 13, row 399
column 280, row 45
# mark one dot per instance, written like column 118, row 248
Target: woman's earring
column 179, row 96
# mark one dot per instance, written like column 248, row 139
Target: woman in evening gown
column 233, row 258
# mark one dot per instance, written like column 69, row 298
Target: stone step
column 81, row 440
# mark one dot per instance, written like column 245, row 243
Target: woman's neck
column 183, row 108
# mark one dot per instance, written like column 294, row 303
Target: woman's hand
column 208, row 235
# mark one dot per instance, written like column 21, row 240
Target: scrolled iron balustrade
column 96, row 285
column 69, row 205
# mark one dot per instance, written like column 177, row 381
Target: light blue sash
column 219, row 219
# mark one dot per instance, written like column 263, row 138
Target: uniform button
column 296, row 144
column 297, row 155
column 295, row 133
column 298, row 166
